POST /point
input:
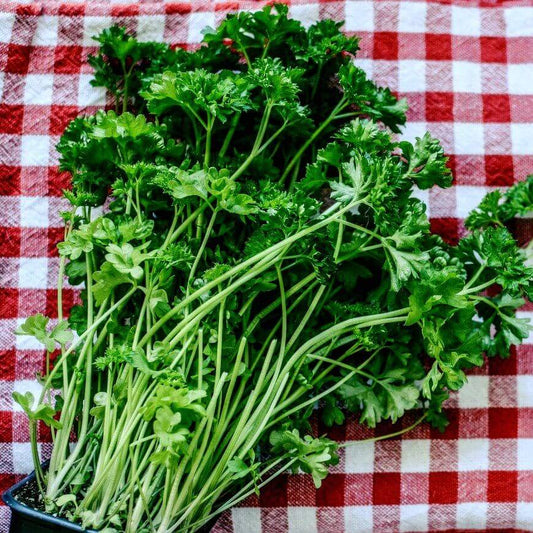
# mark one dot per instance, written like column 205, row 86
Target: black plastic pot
column 25, row 519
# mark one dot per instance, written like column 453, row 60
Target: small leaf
column 65, row 499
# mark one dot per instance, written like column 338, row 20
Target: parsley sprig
column 260, row 253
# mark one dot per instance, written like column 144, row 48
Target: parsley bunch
column 260, row 253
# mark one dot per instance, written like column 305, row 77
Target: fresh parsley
column 260, row 253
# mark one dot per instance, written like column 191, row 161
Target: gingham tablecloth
column 467, row 71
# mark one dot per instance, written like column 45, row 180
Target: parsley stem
column 475, row 277
column 362, row 229
column 177, row 214
column 89, row 357
column 310, row 401
column 272, row 251
column 208, row 134
column 201, row 249
column 257, row 143
column 60, row 276
column 186, row 223
column 326, row 335
column 90, row 330
column 389, row 435
column 39, row 476
column 245, row 492
column 220, row 335
column 478, row 288
column 352, row 350
column 486, row 301
column 229, row 135
column 339, row 107
column 308, row 314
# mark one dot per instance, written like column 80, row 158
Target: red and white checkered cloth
column 467, row 71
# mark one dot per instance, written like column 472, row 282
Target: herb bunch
column 260, row 253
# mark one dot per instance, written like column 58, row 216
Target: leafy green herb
column 260, row 253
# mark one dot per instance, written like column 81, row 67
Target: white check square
column 524, row 391
column 475, row 393
column 92, row 26
column 307, row 14
column 411, row 76
column 412, row 130
column 414, row 517
column 246, row 520
column 524, row 512
column 466, row 21
column 197, row 23
column 302, row 519
column 473, row 454
column 519, row 78
column 46, row 31
column 415, row 455
column 35, row 150
column 358, row 518
column 359, row 16
column 151, row 28
column 22, row 458
column 33, row 212
column 38, row 89
column 525, row 454
column 367, row 65
column 468, row 138
column 6, row 26
column 466, row 77
column 359, row 457
column 33, row 273
column 89, row 95
column 467, row 197
column 518, row 21
column 472, row 515
column 521, row 137
column 412, row 17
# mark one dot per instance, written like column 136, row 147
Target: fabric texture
column 466, row 69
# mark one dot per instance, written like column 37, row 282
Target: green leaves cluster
column 312, row 456
column 41, row 412
column 173, row 412
column 498, row 208
column 36, row 326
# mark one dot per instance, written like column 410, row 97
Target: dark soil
column 29, row 495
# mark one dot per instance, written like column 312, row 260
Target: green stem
column 84, row 336
column 208, row 134
column 479, row 288
column 270, row 253
column 310, row 401
column 229, row 135
column 39, row 476
column 333, row 115
column 201, row 250
column 240, row 496
column 388, row 436
column 257, row 143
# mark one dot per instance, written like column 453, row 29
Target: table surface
column 466, row 69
